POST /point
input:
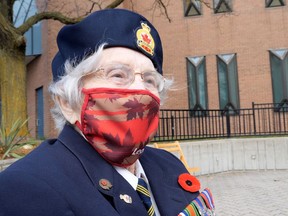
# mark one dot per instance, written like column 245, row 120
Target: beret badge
column 145, row 40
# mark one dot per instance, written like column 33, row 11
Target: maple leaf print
column 131, row 159
column 91, row 103
column 146, row 38
column 112, row 142
column 92, row 127
column 134, row 108
column 153, row 110
column 118, row 152
column 144, row 143
column 114, row 97
column 128, row 139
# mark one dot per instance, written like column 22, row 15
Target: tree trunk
column 13, row 88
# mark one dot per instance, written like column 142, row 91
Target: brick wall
column 250, row 31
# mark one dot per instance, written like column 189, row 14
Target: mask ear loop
column 86, row 98
column 78, row 124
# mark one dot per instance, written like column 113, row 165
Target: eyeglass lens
column 123, row 75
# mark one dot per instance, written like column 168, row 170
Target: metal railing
column 261, row 119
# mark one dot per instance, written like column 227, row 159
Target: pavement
column 249, row 192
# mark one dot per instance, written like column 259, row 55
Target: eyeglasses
column 123, row 76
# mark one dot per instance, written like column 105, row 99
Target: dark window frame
column 197, row 109
column 188, row 4
column 227, row 3
column 284, row 78
column 229, row 108
column 39, row 113
column 268, row 3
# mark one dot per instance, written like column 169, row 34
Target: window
column 197, row 84
column 39, row 113
column 192, row 7
column 279, row 75
column 222, row 6
column 275, row 3
column 22, row 10
column 228, row 83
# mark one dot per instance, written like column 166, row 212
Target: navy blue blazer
column 61, row 177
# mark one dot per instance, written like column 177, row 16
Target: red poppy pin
column 105, row 184
column 188, row 182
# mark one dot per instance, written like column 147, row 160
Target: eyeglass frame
column 158, row 75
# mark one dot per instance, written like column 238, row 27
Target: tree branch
column 6, row 9
column 114, row 4
column 6, row 29
column 160, row 2
column 8, row 35
column 59, row 17
column 47, row 15
column 92, row 7
column 206, row 3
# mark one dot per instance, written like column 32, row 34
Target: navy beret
column 116, row 28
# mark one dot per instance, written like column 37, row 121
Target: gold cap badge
column 144, row 39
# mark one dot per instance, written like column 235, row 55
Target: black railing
column 261, row 119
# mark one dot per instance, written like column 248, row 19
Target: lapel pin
column 105, row 184
column 126, row 198
column 189, row 182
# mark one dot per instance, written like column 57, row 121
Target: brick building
column 224, row 55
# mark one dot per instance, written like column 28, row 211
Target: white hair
column 68, row 87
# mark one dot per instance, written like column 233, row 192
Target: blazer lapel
column 124, row 198
column 169, row 197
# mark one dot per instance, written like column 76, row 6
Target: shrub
column 11, row 141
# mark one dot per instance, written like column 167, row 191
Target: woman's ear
column 70, row 115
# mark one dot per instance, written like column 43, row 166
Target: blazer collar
column 125, row 198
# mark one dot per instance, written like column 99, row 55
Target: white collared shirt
column 133, row 180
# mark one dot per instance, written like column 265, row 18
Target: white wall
column 222, row 155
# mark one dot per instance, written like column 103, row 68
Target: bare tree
column 12, row 49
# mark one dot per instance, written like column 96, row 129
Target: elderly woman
column 107, row 87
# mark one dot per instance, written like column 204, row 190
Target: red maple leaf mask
column 119, row 123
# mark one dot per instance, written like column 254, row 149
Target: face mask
column 119, row 123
